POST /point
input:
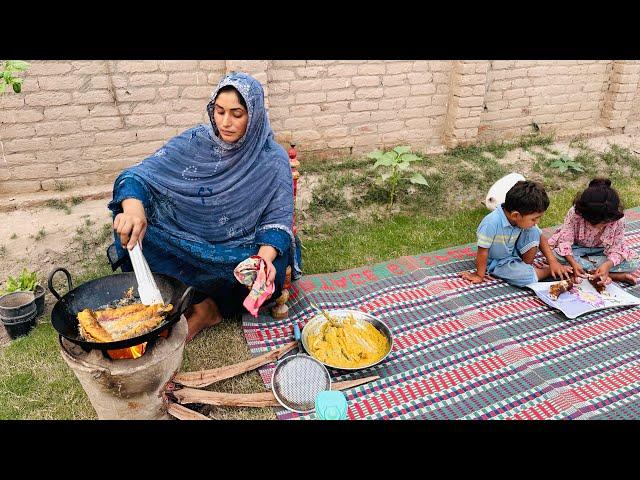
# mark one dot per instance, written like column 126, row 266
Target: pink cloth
column 577, row 231
column 252, row 272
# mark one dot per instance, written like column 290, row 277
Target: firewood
column 347, row 384
column 204, row 378
column 193, row 395
column 184, row 413
column 263, row 399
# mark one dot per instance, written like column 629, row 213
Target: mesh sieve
column 297, row 381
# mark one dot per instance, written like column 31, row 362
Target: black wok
column 104, row 290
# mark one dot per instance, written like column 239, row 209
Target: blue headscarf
column 204, row 188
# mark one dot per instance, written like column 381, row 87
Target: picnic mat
column 462, row 351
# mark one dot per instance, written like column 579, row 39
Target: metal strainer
column 298, row 379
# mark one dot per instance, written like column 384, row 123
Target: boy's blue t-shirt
column 500, row 237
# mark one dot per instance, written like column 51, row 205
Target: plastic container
column 16, row 305
column 21, row 325
column 39, row 297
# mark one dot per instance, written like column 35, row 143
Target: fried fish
column 558, row 288
column 593, row 280
column 113, row 324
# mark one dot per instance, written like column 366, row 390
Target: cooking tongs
column 147, row 288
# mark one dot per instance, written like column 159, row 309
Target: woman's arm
column 130, row 222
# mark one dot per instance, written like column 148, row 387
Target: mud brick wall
column 82, row 122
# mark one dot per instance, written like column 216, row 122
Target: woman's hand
column 269, row 254
column 131, row 224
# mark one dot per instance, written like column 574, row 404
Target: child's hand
column 472, row 277
column 578, row 273
column 559, row 271
column 603, row 273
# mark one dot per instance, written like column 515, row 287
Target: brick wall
column 82, row 122
column 556, row 95
column 358, row 105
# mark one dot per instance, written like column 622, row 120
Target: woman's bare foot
column 623, row 277
column 203, row 315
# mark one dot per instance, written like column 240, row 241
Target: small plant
column 398, row 161
column 60, row 186
column 59, row 205
column 76, row 200
column 41, row 234
column 14, row 236
column 565, row 163
column 9, row 68
column 26, row 281
column 3, row 251
column 579, row 142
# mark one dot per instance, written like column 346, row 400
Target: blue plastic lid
column 331, row 405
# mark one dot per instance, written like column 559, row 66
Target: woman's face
column 230, row 116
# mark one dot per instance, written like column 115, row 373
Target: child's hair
column 599, row 202
column 526, row 197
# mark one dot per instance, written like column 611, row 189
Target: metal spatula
column 147, row 288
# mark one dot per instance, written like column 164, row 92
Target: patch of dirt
column 61, row 245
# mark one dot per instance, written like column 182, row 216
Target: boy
column 508, row 239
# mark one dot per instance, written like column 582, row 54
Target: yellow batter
column 348, row 343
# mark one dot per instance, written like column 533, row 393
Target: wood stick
column 263, row 399
column 204, row 378
column 353, row 383
column 184, row 413
column 193, row 395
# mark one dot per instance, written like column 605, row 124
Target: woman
column 210, row 198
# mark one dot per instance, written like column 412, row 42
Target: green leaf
column 390, row 157
column 402, row 149
column 410, row 157
column 375, row 155
column 381, row 162
column 17, row 65
column 2, row 86
column 419, row 179
column 404, row 166
column 17, row 87
column 563, row 168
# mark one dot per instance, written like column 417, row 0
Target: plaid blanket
column 462, row 351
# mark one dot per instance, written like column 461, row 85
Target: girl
column 591, row 238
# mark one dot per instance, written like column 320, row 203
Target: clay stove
column 129, row 389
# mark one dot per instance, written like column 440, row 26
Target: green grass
column 349, row 243
column 36, row 383
column 58, row 205
column 3, row 251
column 61, row 186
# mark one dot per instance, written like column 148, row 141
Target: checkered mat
column 466, row 351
